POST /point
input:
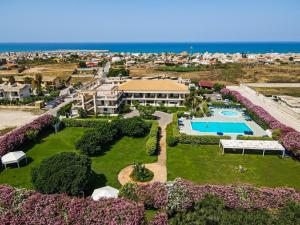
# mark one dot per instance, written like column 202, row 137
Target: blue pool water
column 224, row 127
column 229, row 113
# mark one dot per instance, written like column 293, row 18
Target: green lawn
column 206, row 165
column 107, row 166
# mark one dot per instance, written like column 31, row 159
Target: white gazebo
column 13, row 157
column 105, row 192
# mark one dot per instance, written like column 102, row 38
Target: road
column 281, row 113
column 274, row 85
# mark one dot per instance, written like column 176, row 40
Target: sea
column 199, row 47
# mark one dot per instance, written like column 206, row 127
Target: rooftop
column 153, row 85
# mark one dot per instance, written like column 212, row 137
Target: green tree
column 95, row 141
column 63, row 173
column 193, row 101
column 38, row 83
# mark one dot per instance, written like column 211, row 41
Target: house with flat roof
column 14, row 91
column 105, row 96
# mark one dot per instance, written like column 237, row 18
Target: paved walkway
column 159, row 168
column 279, row 112
column 134, row 112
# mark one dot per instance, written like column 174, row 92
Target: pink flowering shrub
column 288, row 135
column 244, row 196
column 160, row 218
column 36, row 208
column 153, row 195
column 17, row 137
column 234, row 196
column 291, row 141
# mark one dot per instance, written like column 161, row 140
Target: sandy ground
column 11, row 118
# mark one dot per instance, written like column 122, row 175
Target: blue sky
column 149, row 21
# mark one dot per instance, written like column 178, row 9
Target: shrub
column 18, row 137
column 152, row 142
column 242, row 137
column 29, row 207
column 128, row 191
column 93, row 142
column 65, row 110
column 151, row 145
column 140, row 173
column 159, row 218
column 171, row 141
column 201, row 140
column 63, row 173
column 132, row 127
column 68, row 122
column 32, row 135
column 82, row 113
column 276, row 134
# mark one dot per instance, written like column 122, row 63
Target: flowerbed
column 19, row 206
column 18, row 137
column 288, row 136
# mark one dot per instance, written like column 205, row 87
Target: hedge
column 21, row 206
column 152, row 142
column 15, row 139
column 241, row 137
column 201, row 140
column 69, row 122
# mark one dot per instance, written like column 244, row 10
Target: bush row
column 69, row 122
column 287, row 135
column 152, row 142
column 20, row 136
column 242, row 137
column 201, row 139
column 20, row 206
column 181, row 194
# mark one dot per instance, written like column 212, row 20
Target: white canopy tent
column 263, row 145
column 13, row 157
column 105, row 192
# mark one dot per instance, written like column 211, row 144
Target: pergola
column 254, row 145
column 13, row 157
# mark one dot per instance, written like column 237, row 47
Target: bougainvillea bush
column 165, row 196
column 19, row 206
column 19, row 136
column 288, row 136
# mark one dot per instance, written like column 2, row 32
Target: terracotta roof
column 153, row 85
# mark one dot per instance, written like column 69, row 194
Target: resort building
column 14, row 91
column 105, row 96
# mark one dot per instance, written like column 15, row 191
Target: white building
column 106, row 96
column 14, row 91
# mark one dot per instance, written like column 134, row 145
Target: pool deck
column 217, row 117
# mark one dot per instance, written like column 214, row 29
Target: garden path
column 159, row 168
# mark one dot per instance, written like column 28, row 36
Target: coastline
column 157, row 47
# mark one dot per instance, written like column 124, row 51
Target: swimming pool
column 224, row 127
column 229, row 113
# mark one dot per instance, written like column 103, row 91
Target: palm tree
column 193, row 101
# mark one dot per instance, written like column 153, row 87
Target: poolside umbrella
column 13, row 157
column 105, row 192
